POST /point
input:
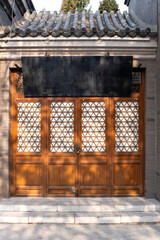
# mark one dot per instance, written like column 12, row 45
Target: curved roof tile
column 107, row 22
column 91, row 22
column 47, row 23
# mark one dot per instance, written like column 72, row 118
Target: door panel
column 92, row 159
column 29, row 127
column 28, row 148
column 126, row 174
column 93, row 175
column 61, row 156
column 127, row 154
column 64, row 175
column 93, row 126
column 28, row 175
column 61, row 127
column 126, row 126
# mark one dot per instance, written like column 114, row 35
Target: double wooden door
column 76, row 146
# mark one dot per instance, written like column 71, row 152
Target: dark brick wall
column 150, row 136
column 158, row 111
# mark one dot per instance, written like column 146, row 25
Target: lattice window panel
column 62, row 127
column 93, row 127
column 29, row 127
column 19, row 83
column 127, row 126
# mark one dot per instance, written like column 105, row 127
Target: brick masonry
column 150, row 83
column 158, row 113
column 4, row 129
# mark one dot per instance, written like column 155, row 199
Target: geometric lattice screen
column 19, row 83
column 127, row 126
column 62, row 127
column 93, row 127
column 29, row 127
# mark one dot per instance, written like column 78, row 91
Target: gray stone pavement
column 79, row 232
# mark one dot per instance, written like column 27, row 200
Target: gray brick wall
column 4, row 129
column 150, row 116
column 158, row 112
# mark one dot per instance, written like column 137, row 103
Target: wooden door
column 127, row 132
column 93, row 141
column 27, row 146
column 61, row 137
column 78, row 159
column 87, row 147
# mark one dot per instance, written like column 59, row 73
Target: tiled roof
column 47, row 23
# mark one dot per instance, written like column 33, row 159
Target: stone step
column 80, row 218
column 80, row 205
column 80, row 208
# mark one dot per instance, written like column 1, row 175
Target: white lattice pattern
column 127, row 126
column 29, row 127
column 93, row 127
column 19, row 83
column 62, row 127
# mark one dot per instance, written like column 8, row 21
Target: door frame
column 115, row 191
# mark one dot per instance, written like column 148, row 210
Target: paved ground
column 79, row 232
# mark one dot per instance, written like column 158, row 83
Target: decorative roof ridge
column 77, row 24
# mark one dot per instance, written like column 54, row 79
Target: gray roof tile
column 47, row 23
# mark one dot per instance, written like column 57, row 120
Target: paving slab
column 49, row 217
column 97, row 218
column 30, row 208
column 6, row 207
column 80, row 208
column 80, row 218
column 79, row 232
column 127, row 208
column 7, row 219
column 36, row 217
column 141, row 217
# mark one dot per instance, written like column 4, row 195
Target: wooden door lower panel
column 61, row 179
column 29, row 177
column 93, row 176
column 94, row 180
column 61, row 176
column 126, row 179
